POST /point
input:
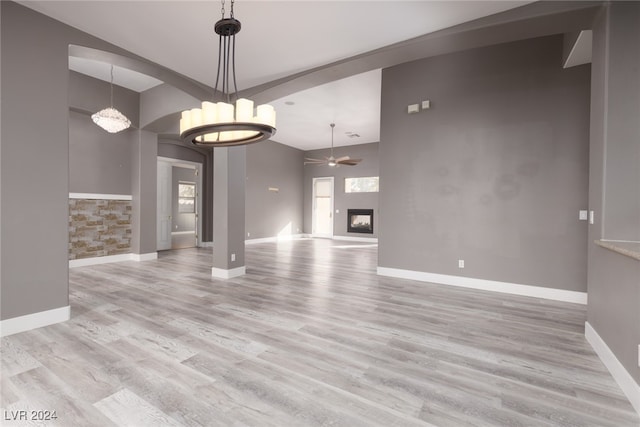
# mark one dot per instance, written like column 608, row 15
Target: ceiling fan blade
column 350, row 162
column 308, row 161
column 341, row 159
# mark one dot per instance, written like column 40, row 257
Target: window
column 186, row 197
column 361, row 185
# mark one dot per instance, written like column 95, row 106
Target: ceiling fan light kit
column 222, row 124
column 332, row 161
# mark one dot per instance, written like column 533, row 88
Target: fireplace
column 360, row 221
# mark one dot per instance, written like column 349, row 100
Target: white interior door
column 322, row 211
column 164, row 206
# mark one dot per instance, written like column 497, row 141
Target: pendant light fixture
column 222, row 124
column 110, row 119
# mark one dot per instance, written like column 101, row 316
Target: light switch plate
column 413, row 108
column 583, row 215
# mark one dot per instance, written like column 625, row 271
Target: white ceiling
column 278, row 39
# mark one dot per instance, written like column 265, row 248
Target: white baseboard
column 629, row 387
column 487, row 285
column 307, row 236
column 144, row 257
column 357, row 239
column 83, row 262
column 35, row 320
column 276, row 239
column 221, row 273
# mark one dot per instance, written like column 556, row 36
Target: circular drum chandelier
column 221, row 124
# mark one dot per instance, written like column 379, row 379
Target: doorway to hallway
column 179, row 204
column 322, row 210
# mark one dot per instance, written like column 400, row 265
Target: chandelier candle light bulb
column 222, row 124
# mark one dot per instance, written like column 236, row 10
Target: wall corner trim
column 35, row 320
column 487, row 285
column 629, row 387
column 221, row 273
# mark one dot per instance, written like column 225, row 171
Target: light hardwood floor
column 309, row 336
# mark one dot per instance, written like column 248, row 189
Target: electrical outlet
column 248, row 234
column 233, row 257
column 460, row 263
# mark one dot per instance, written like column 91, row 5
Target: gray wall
column 35, row 154
column 99, row 162
column 270, row 164
column 181, row 221
column 621, row 215
column 613, row 279
column 34, row 167
column 369, row 166
column 494, row 173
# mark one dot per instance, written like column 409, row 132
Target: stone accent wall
column 99, row 228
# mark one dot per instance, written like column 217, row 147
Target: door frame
column 313, row 206
column 198, row 179
column 163, row 206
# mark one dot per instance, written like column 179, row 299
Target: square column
column 229, row 175
column 144, row 152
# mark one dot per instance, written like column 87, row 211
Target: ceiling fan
column 332, row 161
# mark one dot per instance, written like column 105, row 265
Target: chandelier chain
column 111, row 85
column 233, row 66
column 215, row 88
column 223, row 10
